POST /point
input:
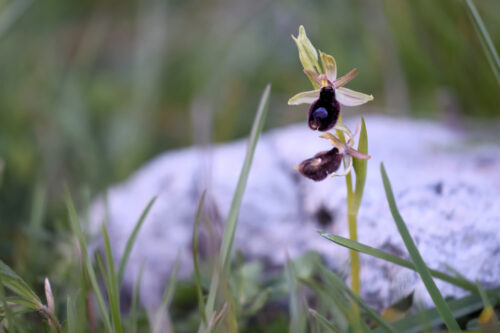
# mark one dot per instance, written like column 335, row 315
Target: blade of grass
column 459, row 307
column 483, row 295
column 107, row 284
column 345, row 242
column 298, row 320
column 197, row 275
column 113, row 291
column 337, row 304
column 323, row 321
column 232, row 218
column 16, row 284
column 135, row 301
column 420, row 266
column 87, row 264
column 71, row 321
column 335, row 281
column 484, row 37
column 9, row 317
column 131, row 240
column 161, row 320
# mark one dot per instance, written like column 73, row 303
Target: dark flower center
column 324, row 112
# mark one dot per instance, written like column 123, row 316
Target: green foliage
column 131, row 239
column 484, row 36
column 419, row 263
column 232, row 218
column 457, row 281
column 81, row 104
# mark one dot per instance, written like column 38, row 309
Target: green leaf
column 360, row 166
column 297, row 318
column 459, row 308
column 197, row 275
column 353, row 245
column 323, row 321
column 484, row 37
column 232, row 218
column 160, row 320
column 71, row 316
column 131, row 240
column 135, row 301
column 334, row 299
column 420, row 266
column 338, row 283
column 113, row 290
column 258, row 303
column 16, row 284
column 87, row 264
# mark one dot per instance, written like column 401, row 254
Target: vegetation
column 94, row 89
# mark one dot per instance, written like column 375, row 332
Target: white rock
column 447, row 189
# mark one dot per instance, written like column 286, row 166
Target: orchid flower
column 328, row 77
column 328, row 162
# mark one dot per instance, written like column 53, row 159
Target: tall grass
column 222, row 264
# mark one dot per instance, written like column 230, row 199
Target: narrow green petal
column 329, row 66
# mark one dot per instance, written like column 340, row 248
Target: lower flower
column 327, row 163
column 321, row 165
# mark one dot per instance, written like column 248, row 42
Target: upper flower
column 325, row 76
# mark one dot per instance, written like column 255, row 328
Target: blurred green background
column 92, row 89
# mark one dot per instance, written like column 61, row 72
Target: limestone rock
column 446, row 187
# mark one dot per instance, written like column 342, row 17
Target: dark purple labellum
column 321, row 165
column 324, row 112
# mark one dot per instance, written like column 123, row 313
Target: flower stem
column 352, row 217
column 355, row 266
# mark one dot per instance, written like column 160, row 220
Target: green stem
column 352, row 217
column 355, row 267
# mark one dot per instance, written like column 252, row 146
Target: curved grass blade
column 197, row 275
column 334, row 299
column 113, row 291
column 87, row 264
column 323, row 321
column 459, row 307
column 71, row 321
column 16, row 284
column 6, row 312
column 484, row 37
column 161, row 317
column 135, row 301
column 131, row 239
column 420, row 266
column 338, row 283
column 232, row 218
column 350, row 244
column 298, row 320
